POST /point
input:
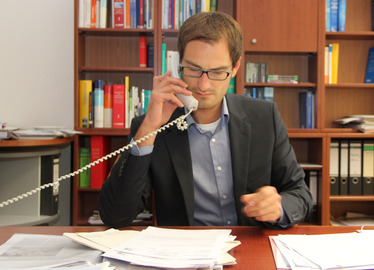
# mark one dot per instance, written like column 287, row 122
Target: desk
column 253, row 253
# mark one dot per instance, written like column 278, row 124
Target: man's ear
column 236, row 67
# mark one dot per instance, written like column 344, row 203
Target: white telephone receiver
column 189, row 101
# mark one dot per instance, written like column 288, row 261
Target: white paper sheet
column 25, row 251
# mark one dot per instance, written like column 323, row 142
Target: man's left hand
column 263, row 205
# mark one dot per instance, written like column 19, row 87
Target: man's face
column 208, row 56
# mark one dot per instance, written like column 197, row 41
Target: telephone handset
column 189, row 101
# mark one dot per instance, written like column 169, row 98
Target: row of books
column 97, row 147
column 331, row 63
column 307, row 109
column 335, row 15
column 266, row 93
column 351, row 167
column 258, row 73
column 116, row 14
column 110, row 106
column 175, row 12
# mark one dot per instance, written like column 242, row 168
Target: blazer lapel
column 178, row 147
column 240, row 136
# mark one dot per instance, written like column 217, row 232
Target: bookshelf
column 281, row 34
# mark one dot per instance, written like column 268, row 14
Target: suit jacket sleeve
column 125, row 192
column 288, row 176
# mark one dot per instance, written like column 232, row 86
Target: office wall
column 36, row 62
column 36, row 69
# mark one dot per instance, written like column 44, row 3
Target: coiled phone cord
column 180, row 122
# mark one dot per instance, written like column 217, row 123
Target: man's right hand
column 162, row 104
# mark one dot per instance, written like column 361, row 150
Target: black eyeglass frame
column 205, row 71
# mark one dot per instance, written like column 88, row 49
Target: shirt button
column 213, row 140
column 219, row 168
column 224, row 196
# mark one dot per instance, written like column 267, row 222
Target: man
column 233, row 166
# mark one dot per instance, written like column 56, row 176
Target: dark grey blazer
column 261, row 156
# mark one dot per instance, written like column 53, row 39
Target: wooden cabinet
column 282, row 26
column 290, row 37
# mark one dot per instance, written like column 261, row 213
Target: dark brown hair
column 212, row 27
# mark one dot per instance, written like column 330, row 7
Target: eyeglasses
column 215, row 75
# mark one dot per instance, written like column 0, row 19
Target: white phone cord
column 181, row 125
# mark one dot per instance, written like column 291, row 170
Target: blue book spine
column 327, row 17
column 306, row 109
column 369, row 76
column 341, row 18
column 309, row 111
column 334, row 9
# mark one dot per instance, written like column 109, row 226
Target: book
column 103, row 13
column 306, row 109
column 341, row 15
column 269, row 93
column 343, row 167
column 369, row 74
column 142, row 52
column 368, row 168
column 231, row 88
column 127, row 99
column 145, row 96
column 99, row 104
column 355, row 166
column 84, row 159
column 372, row 15
column 118, row 106
column 81, row 13
column 326, row 66
column 91, row 113
column 99, row 148
column 150, row 55
column 85, row 87
column 108, row 106
column 334, row 63
column 334, row 167
column 49, row 172
column 327, row 15
column 163, row 59
column 334, row 15
column 93, row 13
column 118, row 14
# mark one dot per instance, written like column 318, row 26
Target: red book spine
column 142, row 52
column 118, row 106
column 93, row 14
column 118, row 14
column 99, row 172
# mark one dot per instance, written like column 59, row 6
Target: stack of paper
column 326, row 251
column 162, row 248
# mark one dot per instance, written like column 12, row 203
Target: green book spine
column 231, row 88
column 163, row 58
column 84, row 159
column 213, row 5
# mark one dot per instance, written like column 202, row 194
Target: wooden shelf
column 350, row 85
column 357, row 35
column 282, row 85
column 116, row 69
column 114, row 32
column 351, row 198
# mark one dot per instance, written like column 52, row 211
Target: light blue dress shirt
column 212, row 172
